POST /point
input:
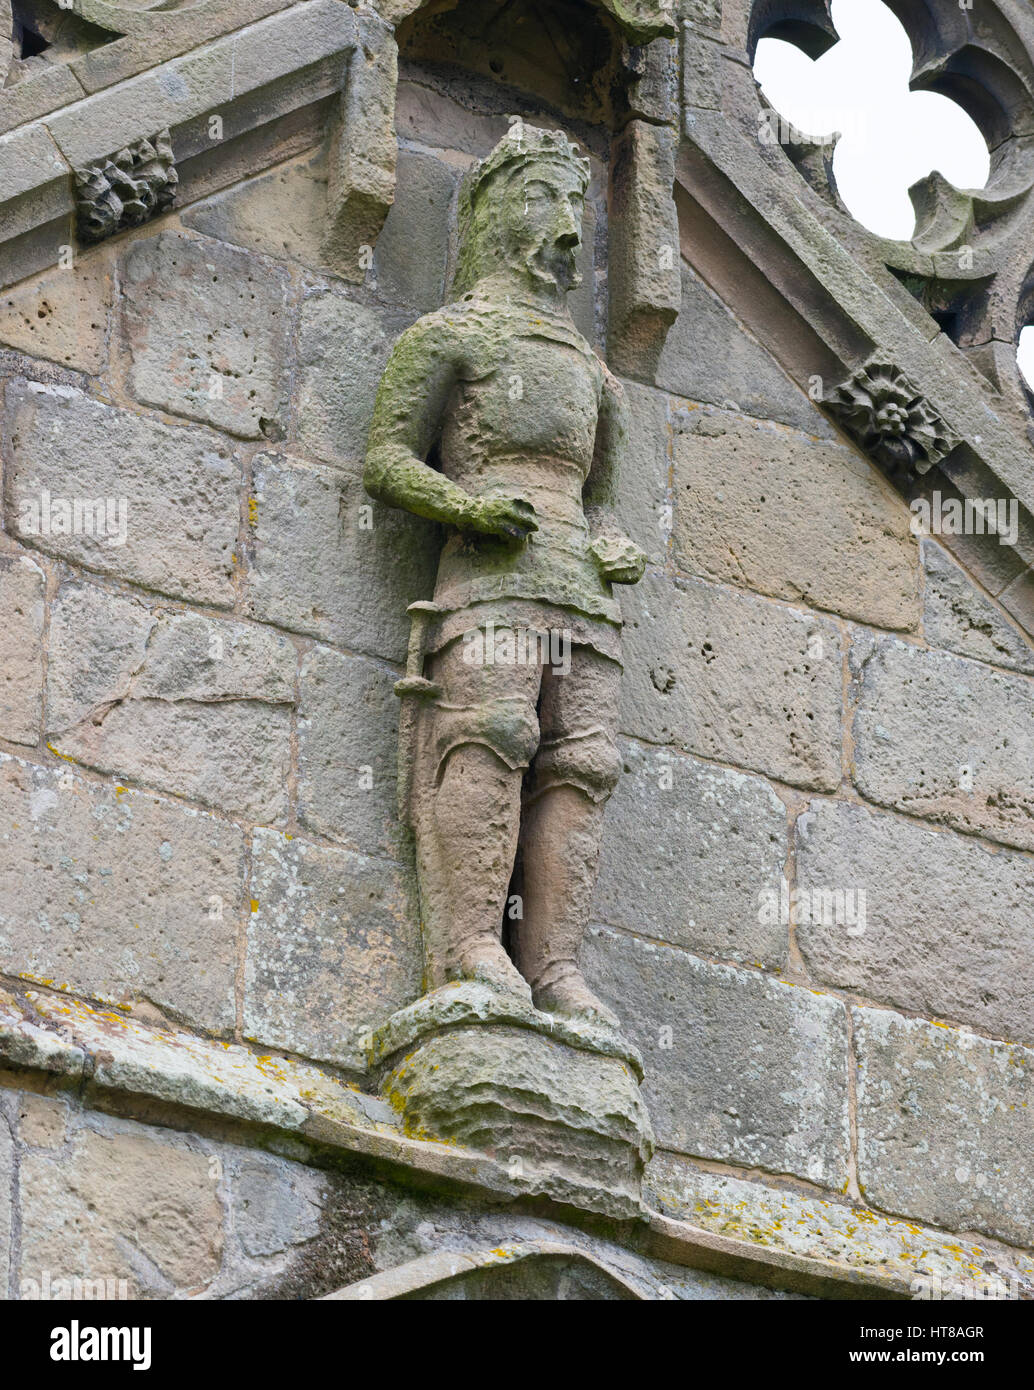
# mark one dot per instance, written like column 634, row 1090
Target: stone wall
column 197, row 754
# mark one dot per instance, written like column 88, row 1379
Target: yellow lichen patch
column 254, row 905
column 252, row 510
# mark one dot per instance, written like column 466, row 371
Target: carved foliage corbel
column 134, row 185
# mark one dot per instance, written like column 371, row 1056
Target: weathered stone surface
column 180, row 487
column 124, row 1202
column 412, row 250
column 63, row 315
column 774, row 511
column 333, row 948
column 708, row 357
column 25, row 1043
column 343, row 345
column 22, row 589
column 842, row 1234
column 180, row 702
column 118, row 895
column 347, row 756
column 572, row 1122
column 946, row 739
column 945, row 1125
column 956, row 615
column 281, row 213
column 6, row 1188
column 739, row 1066
column 947, row 927
column 425, row 116
column 328, row 562
column 206, row 329
column 232, row 755
column 728, row 676
column 275, row 1204
column 469, row 1003
column 643, row 509
column 35, row 191
column 686, row 848
column 42, row 1120
column 174, row 1066
column 1018, row 600
column 98, row 641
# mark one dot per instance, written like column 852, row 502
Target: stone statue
column 496, row 418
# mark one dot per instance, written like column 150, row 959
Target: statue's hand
column 619, row 560
column 510, row 517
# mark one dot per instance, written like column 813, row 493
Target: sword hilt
column 414, row 681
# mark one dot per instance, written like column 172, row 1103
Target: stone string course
column 197, row 734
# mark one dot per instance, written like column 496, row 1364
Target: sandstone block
column 957, row 616
column 718, row 835
column 276, row 1204
column 22, row 590
column 731, row 677
column 177, row 488
column 328, row 562
column 281, row 213
column 127, row 1203
column 333, row 948
column 347, row 752
column 342, row 348
column 118, row 895
column 205, row 326
column 708, row 357
column 63, row 314
column 412, row 249
column 642, row 509
column 945, row 1125
column 946, row 739
column 739, row 1067
column 947, row 924
column 772, row 510
column 181, row 702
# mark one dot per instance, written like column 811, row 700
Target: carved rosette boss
column 496, row 419
column 891, row 421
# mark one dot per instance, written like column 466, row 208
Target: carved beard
column 553, row 263
column 557, row 263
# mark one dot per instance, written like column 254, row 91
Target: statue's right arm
column 411, row 402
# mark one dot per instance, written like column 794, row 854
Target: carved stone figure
column 496, row 419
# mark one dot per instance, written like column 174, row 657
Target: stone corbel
column 364, row 150
column 644, row 262
column 645, row 286
column 137, row 184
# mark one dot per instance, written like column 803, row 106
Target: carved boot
column 466, row 843
column 561, row 841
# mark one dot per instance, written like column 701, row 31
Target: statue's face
column 543, row 212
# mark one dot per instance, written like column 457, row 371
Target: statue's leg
column 476, row 742
column 574, row 772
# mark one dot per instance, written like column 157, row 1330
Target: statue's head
column 521, row 211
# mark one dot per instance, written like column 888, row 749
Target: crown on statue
column 525, row 144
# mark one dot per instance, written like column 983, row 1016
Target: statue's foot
column 488, row 963
column 572, row 998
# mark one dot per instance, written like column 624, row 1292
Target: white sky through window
column 891, row 136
